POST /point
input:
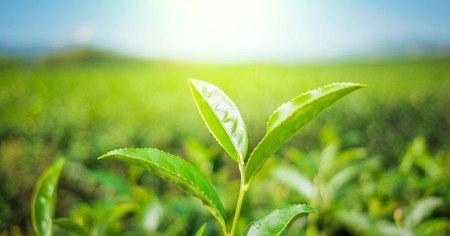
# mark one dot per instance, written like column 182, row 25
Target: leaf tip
column 345, row 84
column 60, row 161
column 111, row 153
column 358, row 85
column 106, row 155
column 192, row 81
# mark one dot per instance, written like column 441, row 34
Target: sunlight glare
column 211, row 27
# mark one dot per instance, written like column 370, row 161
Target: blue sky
column 233, row 30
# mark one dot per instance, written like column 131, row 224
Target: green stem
column 242, row 190
column 224, row 227
column 312, row 226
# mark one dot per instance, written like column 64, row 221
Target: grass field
column 81, row 110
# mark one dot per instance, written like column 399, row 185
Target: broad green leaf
column 433, row 227
column 176, row 171
column 422, row 209
column 44, row 199
column 358, row 223
column 222, row 118
column 294, row 179
column 274, row 222
column 292, row 116
column 362, row 224
column 200, row 231
column 388, row 229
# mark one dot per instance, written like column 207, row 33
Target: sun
column 204, row 28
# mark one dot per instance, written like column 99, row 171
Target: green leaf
column 44, row 199
column 344, row 176
column 388, row 229
column 222, row 118
column 358, row 223
column 274, row 222
column 433, row 227
column 362, row 224
column 292, row 116
column 327, row 157
column 176, row 171
column 422, row 209
column 200, row 231
column 71, row 226
column 415, row 149
column 347, row 157
column 97, row 218
column 294, row 179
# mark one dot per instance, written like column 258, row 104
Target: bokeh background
column 80, row 78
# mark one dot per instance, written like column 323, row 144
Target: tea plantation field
column 80, row 110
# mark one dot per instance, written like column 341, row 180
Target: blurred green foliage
column 80, row 110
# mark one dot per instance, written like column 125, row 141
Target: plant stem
column 242, row 190
column 312, row 228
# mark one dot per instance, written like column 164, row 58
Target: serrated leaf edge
column 270, row 129
column 313, row 210
column 221, row 218
column 358, row 85
column 236, row 148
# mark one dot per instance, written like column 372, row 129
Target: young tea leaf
column 200, row 231
column 292, row 116
column 222, row 118
column 176, row 171
column 274, row 222
column 44, row 199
